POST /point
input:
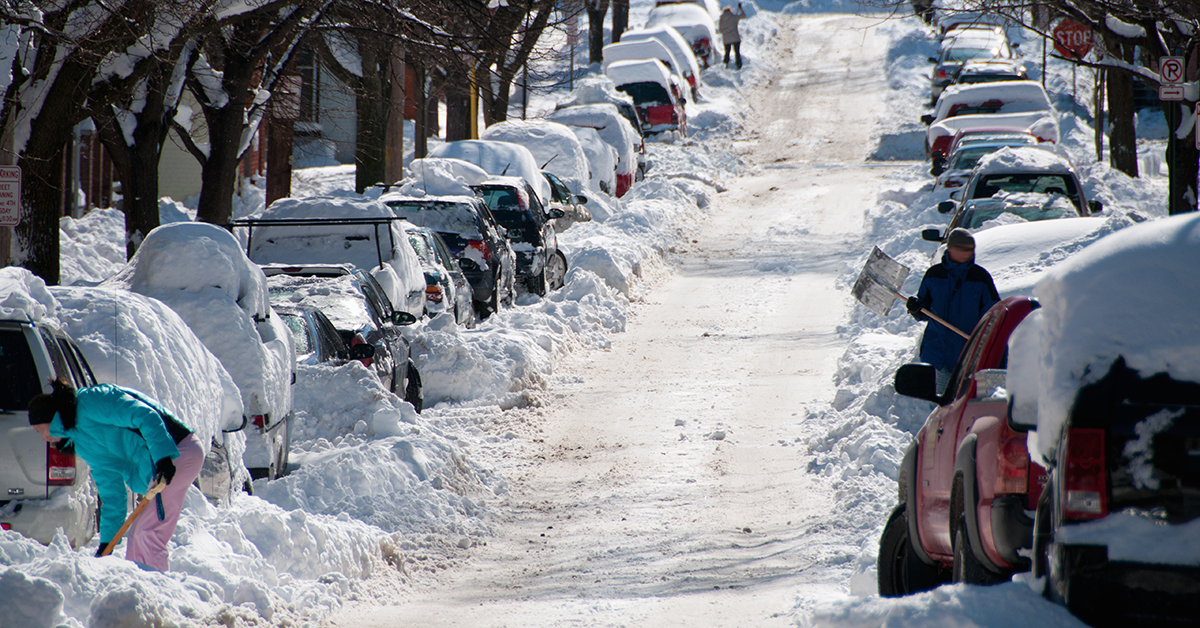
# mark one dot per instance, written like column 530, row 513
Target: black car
column 316, row 340
column 360, row 311
column 541, row 267
column 475, row 239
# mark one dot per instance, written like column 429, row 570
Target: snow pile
column 434, row 176
column 498, row 159
column 612, row 128
column 553, row 145
column 91, row 248
column 24, row 297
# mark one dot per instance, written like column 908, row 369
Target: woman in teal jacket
column 128, row 440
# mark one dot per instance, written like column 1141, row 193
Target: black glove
column 164, row 469
column 99, row 550
column 914, row 307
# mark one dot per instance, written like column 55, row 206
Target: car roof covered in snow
column 610, row 124
column 498, row 158
column 670, row 37
column 1016, row 96
column 639, row 71
column 440, row 176
column 24, row 297
column 554, row 146
column 1023, row 159
column 649, row 48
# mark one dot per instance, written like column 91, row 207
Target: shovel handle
column 146, row 499
column 937, row 318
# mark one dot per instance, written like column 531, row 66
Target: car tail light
column 1084, row 476
column 5, row 526
column 259, row 420
column 481, row 246
column 1012, row 474
column 941, row 73
column 60, row 467
column 674, row 116
column 433, row 293
column 953, row 183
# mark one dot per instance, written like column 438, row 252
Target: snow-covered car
column 693, row 23
column 554, row 147
column 541, row 266
column 940, row 135
column 652, row 48
column 602, row 160
column 991, row 71
column 966, row 45
column 654, row 92
column 446, row 287
column 599, row 89
column 1010, row 97
column 712, row 7
column 616, row 131
column 136, row 341
column 359, row 309
column 201, row 272
column 680, row 50
column 499, row 159
column 340, row 230
column 47, row 489
column 957, row 168
column 1108, row 372
column 1020, row 170
column 475, row 238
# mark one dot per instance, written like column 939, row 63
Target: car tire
column 967, row 567
column 556, row 271
column 900, row 570
column 537, row 283
column 413, row 393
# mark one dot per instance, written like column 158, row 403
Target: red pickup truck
column 966, row 484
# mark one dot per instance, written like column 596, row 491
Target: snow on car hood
column 440, row 176
column 498, row 158
column 1133, row 294
column 24, row 297
column 553, row 145
column 1019, row 254
column 1022, row 159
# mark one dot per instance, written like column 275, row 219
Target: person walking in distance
column 729, row 33
column 129, row 440
column 961, row 292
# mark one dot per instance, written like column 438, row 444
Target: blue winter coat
column 120, row 434
column 959, row 293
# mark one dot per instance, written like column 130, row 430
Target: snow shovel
column 878, row 287
column 150, row 496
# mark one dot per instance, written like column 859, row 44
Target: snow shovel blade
column 878, row 284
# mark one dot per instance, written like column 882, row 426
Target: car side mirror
column 932, row 235
column 938, row 167
column 956, row 194
column 363, row 351
column 927, row 119
column 933, row 59
column 918, row 381
column 1022, row 417
column 1014, row 45
column 403, row 318
column 580, row 199
column 946, row 207
column 1095, row 207
column 468, row 264
column 556, row 213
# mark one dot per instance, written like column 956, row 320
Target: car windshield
column 647, row 93
column 340, row 298
column 1016, row 208
column 987, row 78
column 1038, row 183
column 300, row 339
column 966, row 54
column 423, row 247
column 442, row 216
column 18, row 373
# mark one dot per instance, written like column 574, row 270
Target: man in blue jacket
column 959, row 291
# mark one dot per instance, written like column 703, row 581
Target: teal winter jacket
column 120, row 434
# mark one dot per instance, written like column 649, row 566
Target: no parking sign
column 10, row 196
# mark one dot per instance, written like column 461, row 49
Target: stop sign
column 1072, row 39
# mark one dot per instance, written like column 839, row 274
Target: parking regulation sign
column 1170, row 69
column 10, row 196
column 1170, row 92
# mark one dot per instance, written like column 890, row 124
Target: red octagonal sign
column 1072, row 39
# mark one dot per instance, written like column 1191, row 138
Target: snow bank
column 24, row 297
column 91, row 248
column 613, row 129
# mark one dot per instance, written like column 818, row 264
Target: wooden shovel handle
column 146, row 499
column 937, row 318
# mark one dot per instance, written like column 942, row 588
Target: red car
column 966, row 481
column 658, row 99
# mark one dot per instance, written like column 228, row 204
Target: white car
column 615, row 130
column 202, row 273
column 554, row 147
column 679, row 47
column 694, row 24
column 499, row 159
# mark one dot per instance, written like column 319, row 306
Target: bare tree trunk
column 280, row 132
column 1122, row 134
column 393, row 169
column 421, row 134
column 458, row 109
column 596, row 11
column 620, row 19
column 372, row 105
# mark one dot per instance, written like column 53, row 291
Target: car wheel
column 412, row 392
column 537, row 283
column 900, row 570
column 556, row 271
column 967, row 567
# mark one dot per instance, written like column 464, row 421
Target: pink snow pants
column 148, row 536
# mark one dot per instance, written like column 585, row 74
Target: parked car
column 679, row 46
column 1012, row 97
column 939, row 136
column 340, row 230
column 499, row 159
column 956, row 169
column 446, row 287
column 1108, row 374
column 571, row 205
column 475, row 238
column 991, row 71
column 359, row 309
column 602, row 160
column 616, row 131
column 693, row 23
column 46, row 488
column 541, row 266
column 599, row 89
column 201, row 272
column 650, row 47
column 966, row 481
column 1013, row 135
column 712, row 7
column 1017, row 171
column 554, row 147
column 656, row 96
column 316, row 340
column 967, row 45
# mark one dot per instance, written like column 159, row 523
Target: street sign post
column 10, row 196
column 1072, row 39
